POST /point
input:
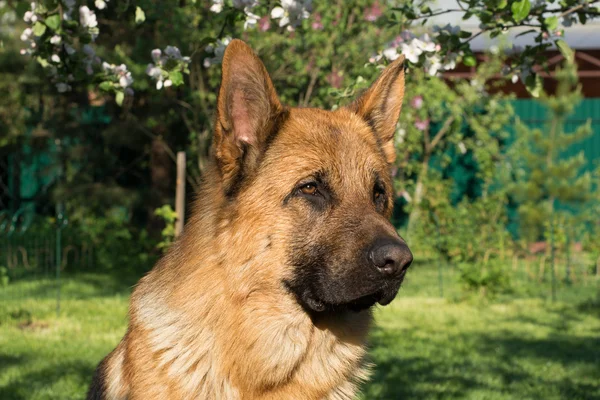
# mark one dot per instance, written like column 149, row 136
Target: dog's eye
column 379, row 197
column 309, row 189
column 378, row 194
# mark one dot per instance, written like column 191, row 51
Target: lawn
column 424, row 346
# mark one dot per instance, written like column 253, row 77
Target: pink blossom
column 373, row 13
column 421, row 124
column 316, row 24
column 264, row 23
column 417, row 102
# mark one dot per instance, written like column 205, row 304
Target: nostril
column 390, row 256
column 388, row 268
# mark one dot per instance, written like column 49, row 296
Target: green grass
column 424, row 346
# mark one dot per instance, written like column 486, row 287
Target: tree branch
column 445, row 128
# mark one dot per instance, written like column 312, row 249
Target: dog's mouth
column 383, row 296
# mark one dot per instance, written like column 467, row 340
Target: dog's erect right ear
column 380, row 106
column 246, row 108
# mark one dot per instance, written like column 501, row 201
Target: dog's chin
column 316, row 304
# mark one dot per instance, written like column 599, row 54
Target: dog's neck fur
column 282, row 351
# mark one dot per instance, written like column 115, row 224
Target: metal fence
column 30, row 250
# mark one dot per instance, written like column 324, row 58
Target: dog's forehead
column 340, row 143
column 341, row 132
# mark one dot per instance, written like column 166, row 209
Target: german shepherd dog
column 268, row 292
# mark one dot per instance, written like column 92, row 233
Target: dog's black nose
column 390, row 256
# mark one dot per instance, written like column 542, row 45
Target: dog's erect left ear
column 380, row 106
column 246, row 108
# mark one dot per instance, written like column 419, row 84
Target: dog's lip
column 382, row 296
column 359, row 304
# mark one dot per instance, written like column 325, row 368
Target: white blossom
column 433, row 64
column 218, row 50
column 425, row 45
column 26, row 35
column 391, row 53
column 173, row 52
column 155, row 70
column 156, row 53
column 400, row 136
column 56, row 39
column 292, row 12
column 450, row 61
column 87, row 18
column 31, row 16
column 55, row 58
column 411, row 52
column 462, row 148
column 101, row 4
column 125, row 78
column 217, row 6
column 251, row 20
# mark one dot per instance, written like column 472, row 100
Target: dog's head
column 316, row 183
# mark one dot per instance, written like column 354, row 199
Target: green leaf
column 106, row 86
column 465, row 34
column 551, row 23
column 140, row 15
column 39, row 29
column 520, row 10
column 44, row 63
column 119, row 98
column 469, row 61
column 53, row 22
column 533, row 83
column 176, row 77
column 502, row 4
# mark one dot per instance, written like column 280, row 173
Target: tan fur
column 213, row 320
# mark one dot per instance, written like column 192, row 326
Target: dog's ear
column 247, row 106
column 380, row 106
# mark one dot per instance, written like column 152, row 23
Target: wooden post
column 180, row 193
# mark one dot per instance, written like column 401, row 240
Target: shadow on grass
column 76, row 374
column 591, row 306
column 498, row 363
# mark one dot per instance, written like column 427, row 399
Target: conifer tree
column 553, row 190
